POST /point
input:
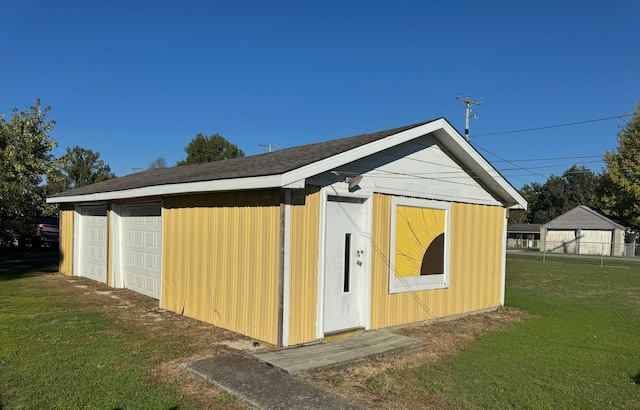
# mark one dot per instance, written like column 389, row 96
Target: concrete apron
column 264, row 386
column 262, row 382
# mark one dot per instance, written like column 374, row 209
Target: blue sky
column 137, row 80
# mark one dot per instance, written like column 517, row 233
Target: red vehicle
column 48, row 230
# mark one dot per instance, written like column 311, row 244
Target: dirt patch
column 184, row 340
column 369, row 382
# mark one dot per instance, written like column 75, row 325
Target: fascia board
column 330, row 163
column 488, row 174
column 271, row 181
column 452, row 141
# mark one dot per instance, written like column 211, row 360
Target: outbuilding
column 292, row 246
column 584, row 231
column 523, row 235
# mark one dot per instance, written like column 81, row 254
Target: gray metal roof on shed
column 582, row 217
column 272, row 163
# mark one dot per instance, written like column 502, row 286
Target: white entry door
column 142, row 249
column 344, row 265
column 92, row 243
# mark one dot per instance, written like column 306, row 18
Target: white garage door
column 595, row 242
column 561, row 241
column 92, row 243
column 142, row 248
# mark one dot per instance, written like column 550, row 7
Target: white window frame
column 427, row 282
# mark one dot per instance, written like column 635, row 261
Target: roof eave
column 269, row 181
column 440, row 128
column 451, row 139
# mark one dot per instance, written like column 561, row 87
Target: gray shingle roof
column 273, row 163
column 582, row 217
column 524, row 228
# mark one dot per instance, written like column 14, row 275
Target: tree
column 559, row 194
column 518, row 216
column 159, row 162
column 209, row 148
column 77, row 167
column 580, row 186
column 548, row 200
column 25, row 156
column 619, row 189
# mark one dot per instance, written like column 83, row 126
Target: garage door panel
column 93, row 243
column 142, row 249
column 595, row 242
column 563, row 241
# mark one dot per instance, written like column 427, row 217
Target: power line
column 555, row 126
column 509, row 162
column 552, row 159
column 550, row 166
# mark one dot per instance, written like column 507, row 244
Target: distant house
column 288, row 247
column 584, row 231
column 523, row 235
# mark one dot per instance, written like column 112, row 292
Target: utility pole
column 134, row 169
column 468, row 103
column 269, row 146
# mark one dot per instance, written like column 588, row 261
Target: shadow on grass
column 16, row 264
column 636, row 378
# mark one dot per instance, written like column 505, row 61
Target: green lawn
column 579, row 348
column 57, row 355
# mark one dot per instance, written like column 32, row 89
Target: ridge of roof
column 270, row 163
column 592, row 212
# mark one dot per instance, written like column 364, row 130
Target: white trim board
column 442, row 131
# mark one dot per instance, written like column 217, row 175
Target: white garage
column 141, row 248
column 582, row 230
column 91, row 241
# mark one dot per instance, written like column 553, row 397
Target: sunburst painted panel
column 419, row 241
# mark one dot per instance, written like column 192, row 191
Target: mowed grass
column 55, row 355
column 578, row 348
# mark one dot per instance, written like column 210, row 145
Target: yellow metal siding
column 66, row 240
column 221, row 260
column 475, row 267
column 303, row 281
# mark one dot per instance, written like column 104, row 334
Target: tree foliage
column 619, row 189
column 25, row 156
column 77, row 167
column 159, row 162
column 205, row 148
column 559, row 194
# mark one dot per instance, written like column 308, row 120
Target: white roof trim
column 489, row 175
column 446, row 135
column 452, row 141
column 271, row 181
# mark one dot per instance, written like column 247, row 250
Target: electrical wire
column 553, row 126
column 551, row 158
